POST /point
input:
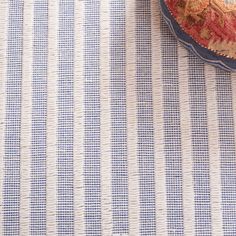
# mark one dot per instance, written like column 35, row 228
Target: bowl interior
column 204, row 53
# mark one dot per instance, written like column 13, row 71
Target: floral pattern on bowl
column 207, row 27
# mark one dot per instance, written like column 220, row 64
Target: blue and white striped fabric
column 110, row 127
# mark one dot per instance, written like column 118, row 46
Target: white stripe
column 187, row 162
column 215, row 179
column 26, row 115
column 160, row 181
column 52, row 118
column 106, row 197
column 3, row 62
column 133, row 175
column 79, row 209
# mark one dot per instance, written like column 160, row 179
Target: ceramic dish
column 207, row 55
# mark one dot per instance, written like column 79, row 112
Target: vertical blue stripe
column 172, row 132
column 11, row 185
column 227, row 151
column 118, row 119
column 200, row 150
column 92, row 177
column 65, row 209
column 145, row 119
column 39, row 116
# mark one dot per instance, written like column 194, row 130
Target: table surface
column 109, row 126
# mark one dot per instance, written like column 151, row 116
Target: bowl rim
column 203, row 53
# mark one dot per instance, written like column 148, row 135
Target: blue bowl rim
column 205, row 54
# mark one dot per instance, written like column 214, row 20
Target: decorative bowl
column 207, row 31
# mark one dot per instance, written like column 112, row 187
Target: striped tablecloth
column 108, row 126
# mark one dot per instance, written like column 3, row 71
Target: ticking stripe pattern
column 109, row 126
column 39, row 119
column 12, row 145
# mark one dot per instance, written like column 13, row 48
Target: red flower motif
column 211, row 24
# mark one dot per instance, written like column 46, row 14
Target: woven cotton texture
column 109, row 127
